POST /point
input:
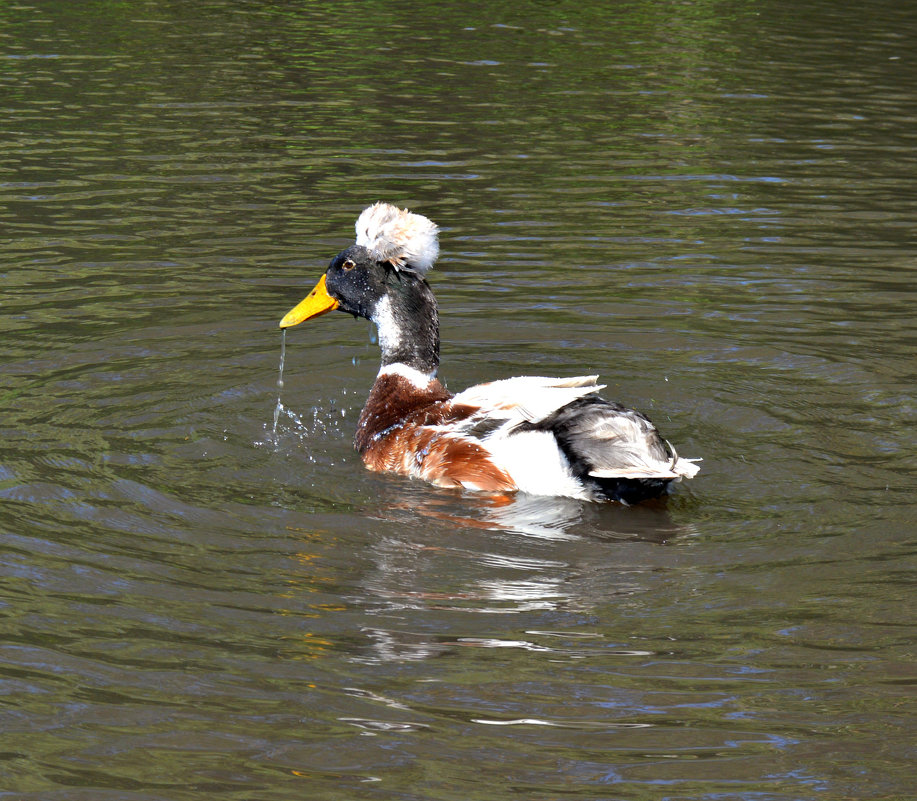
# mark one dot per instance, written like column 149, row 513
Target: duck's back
column 559, row 437
column 544, row 436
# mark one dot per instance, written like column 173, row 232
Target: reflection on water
column 540, row 517
column 710, row 206
column 534, row 516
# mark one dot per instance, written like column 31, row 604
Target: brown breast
column 404, row 429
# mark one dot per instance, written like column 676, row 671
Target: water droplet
column 279, row 406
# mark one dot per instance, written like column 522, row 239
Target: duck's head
column 381, row 278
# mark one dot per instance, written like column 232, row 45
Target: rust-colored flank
column 407, row 429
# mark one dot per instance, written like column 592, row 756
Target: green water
column 711, row 205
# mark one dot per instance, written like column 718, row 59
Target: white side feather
column 542, row 396
column 533, row 458
column 405, row 239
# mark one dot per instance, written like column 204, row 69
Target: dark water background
column 711, row 204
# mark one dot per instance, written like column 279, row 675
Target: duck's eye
column 348, row 266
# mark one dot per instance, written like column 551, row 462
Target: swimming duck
column 543, row 436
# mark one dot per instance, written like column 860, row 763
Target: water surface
column 711, row 206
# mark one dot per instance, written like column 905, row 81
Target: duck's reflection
column 547, row 518
column 456, row 561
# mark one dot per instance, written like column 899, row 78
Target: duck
column 531, row 434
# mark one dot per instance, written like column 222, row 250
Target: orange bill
column 317, row 302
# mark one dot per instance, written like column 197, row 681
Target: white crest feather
column 398, row 236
